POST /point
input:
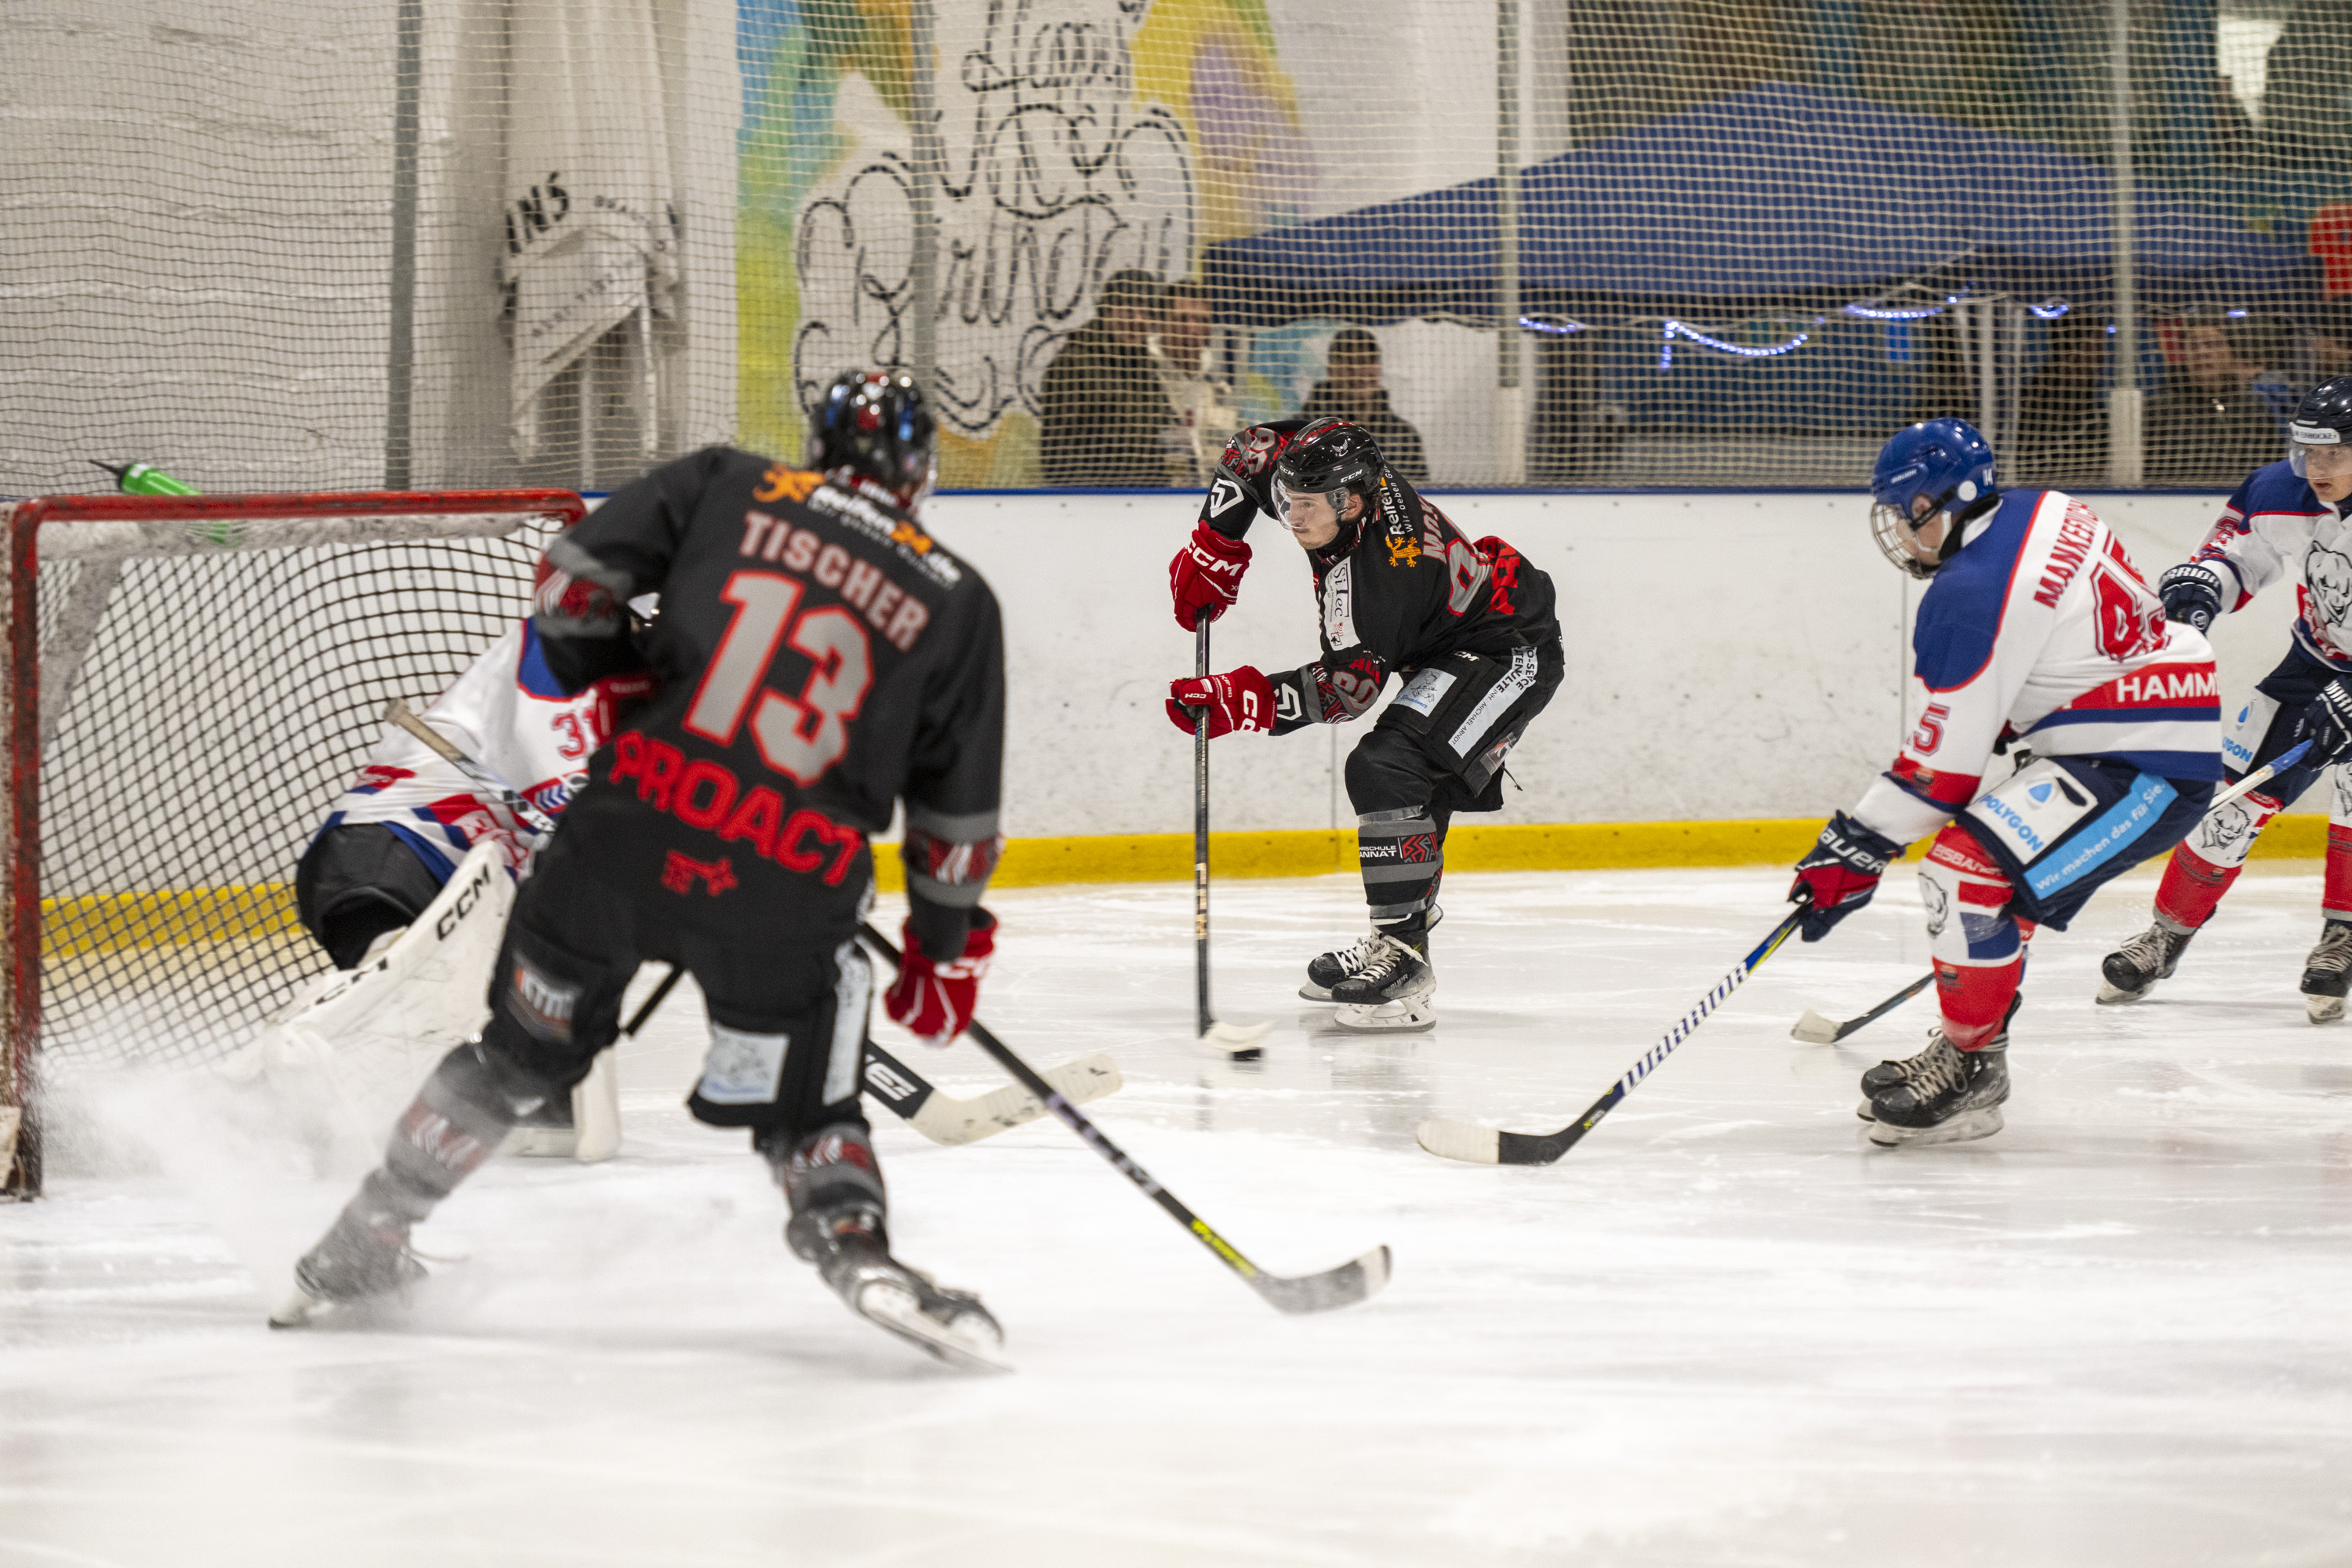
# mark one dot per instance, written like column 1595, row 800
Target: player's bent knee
column 1967, row 896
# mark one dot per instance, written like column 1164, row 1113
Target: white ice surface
column 1722, row 1331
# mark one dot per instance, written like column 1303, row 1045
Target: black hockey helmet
column 873, row 424
column 1332, row 459
column 2324, row 418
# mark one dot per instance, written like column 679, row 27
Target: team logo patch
column 680, row 873
column 740, row 1068
column 1403, row 552
column 1225, row 495
column 1417, row 848
column 1938, row 903
column 2329, row 579
column 541, row 1003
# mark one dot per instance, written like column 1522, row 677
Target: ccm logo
column 887, row 1084
column 465, row 904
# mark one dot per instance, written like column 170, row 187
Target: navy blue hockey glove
column 1841, row 874
column 2327, row 723
column 2192, row 592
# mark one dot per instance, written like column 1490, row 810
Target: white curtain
column 589, row 205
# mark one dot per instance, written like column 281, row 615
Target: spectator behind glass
column 1350, row 389
column 1103, row 418
column 2207, row 425
column 1204, row 406
column 2062, row 425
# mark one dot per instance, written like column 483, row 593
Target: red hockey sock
column 2335, row 893
column 2193, row 885
column 1975, row 999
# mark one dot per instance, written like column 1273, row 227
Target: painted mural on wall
column 1080, row 138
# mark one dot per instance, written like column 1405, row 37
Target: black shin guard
column 833, row 1183
column 456, row 1121
column 1402, row 855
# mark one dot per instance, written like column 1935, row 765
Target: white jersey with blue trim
column 507, row 712
column 2041, row 628
column 2273, row 526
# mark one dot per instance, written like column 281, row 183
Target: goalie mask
column 1935, row 469
column 872, row 425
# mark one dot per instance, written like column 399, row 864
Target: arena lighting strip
column 1564, row 326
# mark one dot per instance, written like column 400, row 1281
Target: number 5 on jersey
column 799, row 737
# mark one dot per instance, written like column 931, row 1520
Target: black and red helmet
column 874, row 425
column 1332, row 459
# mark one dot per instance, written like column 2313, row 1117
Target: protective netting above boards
column 285, row 244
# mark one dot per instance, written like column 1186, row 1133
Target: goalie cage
column 192, row 681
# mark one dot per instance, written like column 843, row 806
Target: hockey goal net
column 191, row 679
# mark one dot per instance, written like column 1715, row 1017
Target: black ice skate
column 951, row 1324
column 2327, row 973
column 1395, row 990
column 1327, row 970
column 1951, row 1096
column 363, row 1260
column 1895, row 1070
column 2132, row 971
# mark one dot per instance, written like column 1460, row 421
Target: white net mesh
column 296, row 244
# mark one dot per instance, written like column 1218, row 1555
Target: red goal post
column 191, row 680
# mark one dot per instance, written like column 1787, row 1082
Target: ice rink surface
column 1722, row 1331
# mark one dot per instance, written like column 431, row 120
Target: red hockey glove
column 1841, row 874
column 618, row 696
column 1238, row 700
column 935, row 1002
column 1206, row 575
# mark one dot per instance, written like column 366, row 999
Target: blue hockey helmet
column 1935, row 467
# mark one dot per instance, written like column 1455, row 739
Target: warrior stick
column 1486, row 1146
column 1349, row 1283
column 1816, row 1030
column 1240, row 1041
column 942, row 1118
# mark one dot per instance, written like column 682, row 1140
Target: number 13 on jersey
column 799, row 737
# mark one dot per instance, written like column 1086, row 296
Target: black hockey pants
column 774, row 952
column 1438, row 749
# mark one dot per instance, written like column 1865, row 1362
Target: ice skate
column 1327, row 970
column 360, row 1262
column 1396, row 990
column 951, row 1324
column 2132, row 971
column 1895, row 1070
column 2327, row 973
column 1949, row 1096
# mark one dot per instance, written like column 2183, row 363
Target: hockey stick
column 441, row 746
column 1816, row 1030
column 1486, row 1146
column 942, row 1118
column 1349, row 1283
column 1242, row 1042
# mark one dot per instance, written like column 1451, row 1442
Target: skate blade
column 2323, row 1009
column 2110, row 994
column 1961, row 1128
column 301, row 1309
column 965, row 1343
column 1310, row 991
column 542, row 1143
column 1389, row 1017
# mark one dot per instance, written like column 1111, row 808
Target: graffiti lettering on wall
column 1053, row 178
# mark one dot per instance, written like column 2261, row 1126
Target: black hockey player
column 1468, row 625
column 819, row 658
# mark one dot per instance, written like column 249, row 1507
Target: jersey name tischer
column 2272, row 526
column 819, row 657
column 1397, row 589
column 2041, row 628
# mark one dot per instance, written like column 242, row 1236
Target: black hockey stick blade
column 1351, row 1282
column 1816, row 1030
column 1477, row 1145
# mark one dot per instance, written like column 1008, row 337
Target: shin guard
column 1978, row 945
column 1403, row 856
column 456, row 1121
column 2204, row 864
column 2336, row 896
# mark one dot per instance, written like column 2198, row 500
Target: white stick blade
column 1461, row 1141
column 952, row 1121
column 1814, row 1029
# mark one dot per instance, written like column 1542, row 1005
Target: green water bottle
column 145, row 480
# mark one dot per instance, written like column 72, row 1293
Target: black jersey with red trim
column 820, row 656
column 1397, row 589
